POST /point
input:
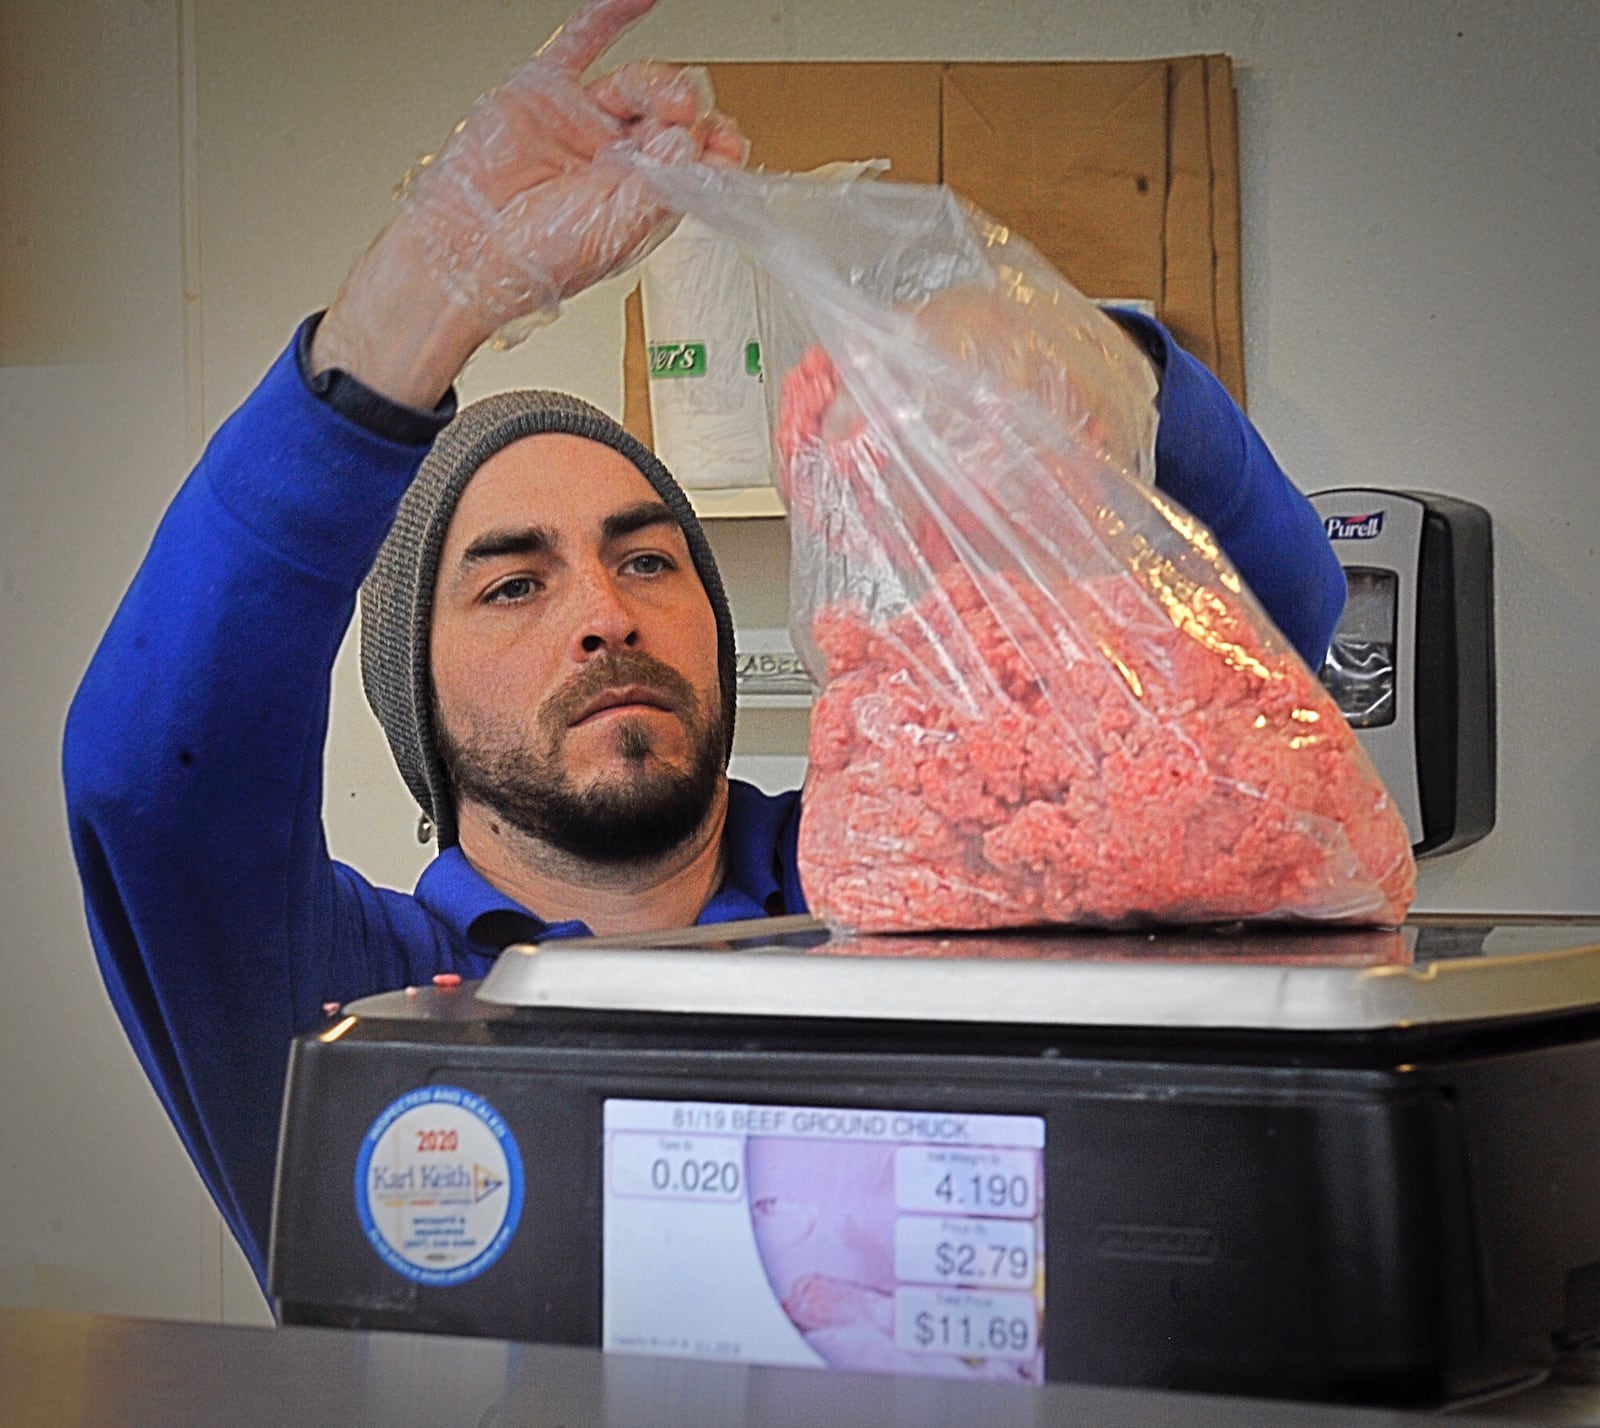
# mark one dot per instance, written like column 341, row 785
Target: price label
column 980, row 1253
column 893, row 1239
column 955, row 1180
column 966, row 1323
column 677, row 1167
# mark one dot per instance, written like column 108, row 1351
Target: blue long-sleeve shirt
column 194, row 751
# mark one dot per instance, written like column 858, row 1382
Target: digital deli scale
column 1359, row 1166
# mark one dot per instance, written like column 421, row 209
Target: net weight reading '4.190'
column 969, row 1181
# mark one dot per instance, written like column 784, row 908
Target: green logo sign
column 677, row 359
column 752, row 359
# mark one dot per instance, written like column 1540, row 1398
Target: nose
column 603, row 620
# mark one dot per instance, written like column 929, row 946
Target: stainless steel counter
column 88, row 1371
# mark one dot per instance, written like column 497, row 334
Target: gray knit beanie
column 397, row 597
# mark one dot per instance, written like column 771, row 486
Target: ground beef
column 1121, row 748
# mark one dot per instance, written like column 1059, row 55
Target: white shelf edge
column 775, row 701
column 735, row 502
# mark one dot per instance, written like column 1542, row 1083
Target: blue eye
column 519, row 587
column 647, row 563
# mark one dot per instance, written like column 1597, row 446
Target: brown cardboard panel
column 636, row 372
column 797, row 117
column 1125, row 175
column 1189, row 309
column 1222, row 127
column 1074, row 157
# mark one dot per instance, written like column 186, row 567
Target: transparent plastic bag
column 526, row 205
column 1046, row 695
column 707, row 393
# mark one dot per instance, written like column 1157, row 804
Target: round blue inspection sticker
column 439, row 1185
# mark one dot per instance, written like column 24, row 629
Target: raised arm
column 519, row 210
column 194, row 748
column 1211, row 459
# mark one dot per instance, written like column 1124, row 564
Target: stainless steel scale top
column 1433, row 971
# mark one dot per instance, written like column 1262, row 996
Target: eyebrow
column 636, row 518
column 513, row 540
column 537, row 540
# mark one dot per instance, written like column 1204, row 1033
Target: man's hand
column 520, row 209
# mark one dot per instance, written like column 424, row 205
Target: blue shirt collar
column 760, row 837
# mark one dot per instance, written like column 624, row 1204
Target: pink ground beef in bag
column 1132, row 750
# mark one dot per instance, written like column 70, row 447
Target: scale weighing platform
column 1357, row 1166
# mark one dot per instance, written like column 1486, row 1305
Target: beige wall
column 1421, row 190
column 104, row 1211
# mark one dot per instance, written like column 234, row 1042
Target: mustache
column 610, row 672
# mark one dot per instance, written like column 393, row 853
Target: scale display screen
column 906, row 1241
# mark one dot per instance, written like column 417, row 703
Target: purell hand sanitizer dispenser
column 1412, row 662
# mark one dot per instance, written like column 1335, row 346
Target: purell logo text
column 1354, row 527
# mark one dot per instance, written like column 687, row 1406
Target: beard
column 633, row 814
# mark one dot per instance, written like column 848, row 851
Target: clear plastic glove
column 514, row 211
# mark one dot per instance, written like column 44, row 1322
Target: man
column 545, row 637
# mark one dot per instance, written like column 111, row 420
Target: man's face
column 574, row 654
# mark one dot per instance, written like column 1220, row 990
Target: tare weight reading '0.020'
column 901, row 1241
